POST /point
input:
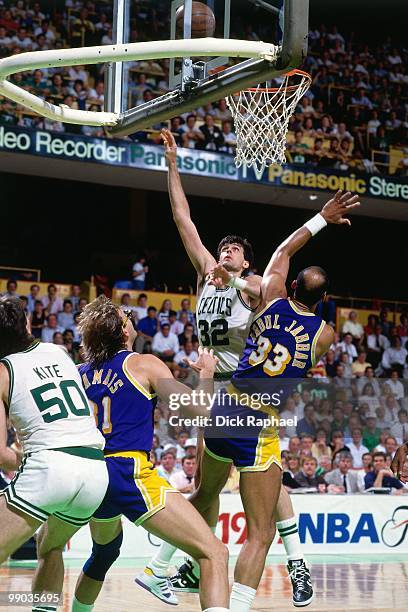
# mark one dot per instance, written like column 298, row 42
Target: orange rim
column 295, row 72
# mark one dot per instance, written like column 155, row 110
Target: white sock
column 217, row 609
column 242, row 597
column 77, row 606
column 288, row 531
column 160, row 562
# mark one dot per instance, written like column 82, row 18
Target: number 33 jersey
column 47, row 403
column 281, row 342
column 223, row 321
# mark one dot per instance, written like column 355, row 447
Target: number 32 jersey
column 281, row 342
column 47, row 403
column 223, row 321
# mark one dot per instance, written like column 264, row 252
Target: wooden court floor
column 341, row 584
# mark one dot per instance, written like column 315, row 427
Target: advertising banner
column 126, row 153
column 328, row 524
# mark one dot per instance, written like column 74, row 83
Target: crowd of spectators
column 343, row 422
column 357, row 102
column 52, row 318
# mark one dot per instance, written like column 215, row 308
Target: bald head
column 311, row 285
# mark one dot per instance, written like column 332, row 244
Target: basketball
column 202, row 20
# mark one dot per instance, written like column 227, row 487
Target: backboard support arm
column 238, row 77
column 116, row 72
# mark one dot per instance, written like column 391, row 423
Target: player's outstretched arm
column 274, row 278
column 200, row 257
column 9, row 459
column 153, row 373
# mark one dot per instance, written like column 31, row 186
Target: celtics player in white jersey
column 224, row 315
column 62, row 476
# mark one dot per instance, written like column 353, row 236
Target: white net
column 261, row 118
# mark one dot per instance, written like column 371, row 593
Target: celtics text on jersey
column 223, row 321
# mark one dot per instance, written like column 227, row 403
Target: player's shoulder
column 274, row 303
column 4, row 372
column 138, row 361
column 254, row 278
column 326, row 338
column 34, row 349
column 82, row 367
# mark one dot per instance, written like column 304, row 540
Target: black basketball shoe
column 185, row 581
column 301, row 583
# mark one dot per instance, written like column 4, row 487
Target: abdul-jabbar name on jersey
column 123, row 407
column 223, row 320
column 281, row 342
column 47, row 404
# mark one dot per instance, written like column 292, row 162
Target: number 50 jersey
column 281, row 342
column 223, row 320
column 47, row 403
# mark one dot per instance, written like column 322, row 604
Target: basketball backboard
column 230, row 60
column 194, row 81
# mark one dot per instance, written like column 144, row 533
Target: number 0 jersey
column 281, row 342
column 123, row 407
column 47, row 402
column 223, row 320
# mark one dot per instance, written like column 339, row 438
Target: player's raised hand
column 205, row 363
column 335, row 209
column 170, row 147
column 399, row 465
column 219, row 276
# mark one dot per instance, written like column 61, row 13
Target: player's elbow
column 283, row 251
column 8, row 463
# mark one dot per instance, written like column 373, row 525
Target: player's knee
column 102, row 558
column 45, row 544
column 221, row 552
column 203, row 497
column 262, row 536
column 216, row 552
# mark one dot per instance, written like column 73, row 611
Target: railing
column 370, row 302
column 18, row 273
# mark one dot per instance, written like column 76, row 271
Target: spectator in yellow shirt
column 358, row 367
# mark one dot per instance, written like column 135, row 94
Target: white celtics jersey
column 47, row 403
column 223, row 321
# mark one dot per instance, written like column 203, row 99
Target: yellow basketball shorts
column 135, row 488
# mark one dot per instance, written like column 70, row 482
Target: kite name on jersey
column 302, row 339
column 48, row 371
column 102, row 377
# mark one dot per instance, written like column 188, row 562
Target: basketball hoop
column 261, row 118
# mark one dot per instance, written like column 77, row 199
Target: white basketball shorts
column 68, row 484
